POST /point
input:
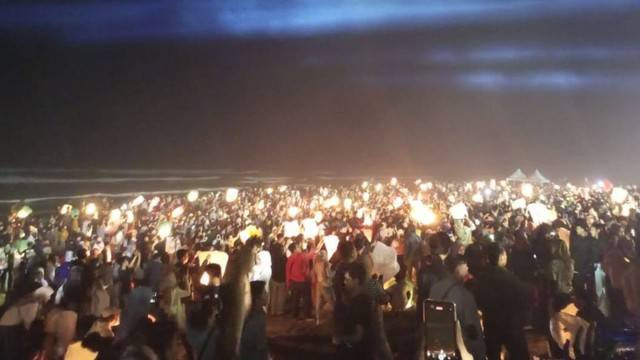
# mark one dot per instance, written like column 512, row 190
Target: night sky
column 456, row 89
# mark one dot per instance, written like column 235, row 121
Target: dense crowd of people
column 197, row 276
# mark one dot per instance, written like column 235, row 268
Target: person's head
column 347, row 251
column 458, row 267
column 582, row 228
column 182, row 256
column 497, row 255
column 355, row 277
column 440, row 243
column 294, row 248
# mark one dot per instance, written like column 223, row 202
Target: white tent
column 518, row 176
column 538, row 178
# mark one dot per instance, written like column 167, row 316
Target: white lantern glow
column 310, row 227
column 527, row 190
column 417, row 182
column 193, row 195
column 394, row 181
column 154, row 202
column 260, row 205
column 540, row 213
column 24, row 212
column 366, row 196
column 164, row 229
column 137, row 201
column 347, row 204
column 231, row 195
column 115, row 215
column 422, row 214
column 424, row 187
column 269, row 191
column 331, row 244
column 177, row 212
column 282, row 188
column 331, row 202
column 378, row 187
column 397, row 202
column 205, row 279
column 488, row 192
column 291, row 228
column 90, row 209
column 619, row 195
column 129, row 214
column 458, row 211
column 519, row 204
column 318, row 216
column 365, row 184
column 477, row 198
column 65, row 209
column 293, row 211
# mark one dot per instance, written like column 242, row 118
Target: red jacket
column 297, row 268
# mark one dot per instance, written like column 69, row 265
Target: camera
column 439, row 330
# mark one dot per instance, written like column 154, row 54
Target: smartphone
column 439, row 326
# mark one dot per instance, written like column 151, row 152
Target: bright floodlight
column 232, row 194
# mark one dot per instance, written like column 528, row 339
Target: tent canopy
column 518, row 175
column 538, row 178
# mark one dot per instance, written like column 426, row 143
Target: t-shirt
column 361, row 312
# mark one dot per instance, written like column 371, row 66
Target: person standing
column 502, row 297
column 298, row 282
column 277, row 285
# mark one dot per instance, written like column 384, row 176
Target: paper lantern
column 269, row 191
column 291, row 228
column 318, row 216
column 492, row 184
column 397, row 202
column 154, row 202
column 540, row 213
column 232, row 194
column 378, row 187
column 192, row 195
column 331, row 202
column 282, row 188
column 65, row 209
column 385, row 261
column 310, row 228
column 137, row 201
column 366, row 196
column 519, row 204
column 458, row 211
column 130, row 217
column 24, row 212
column 293, row 211
column 394, row 181
column 619, row 195
column 260, row 205
column 177, row 212
column 424, row 187
column 331, row 244
column 417, row 182
column 480, row 184
column 164, row 230
column 205, row 279
column 626, row 209
column 347, row 204
column 527, row 190
column 422, row 214
column 477, row 198
column 90, row 209
column 115, row 215
column 365, row 184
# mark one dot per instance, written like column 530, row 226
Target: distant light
column 347, row 203
column 619, row 195
column 331, row 202
column 527, row 190
column 365, row 184
column 477, row 198
column 365, row 196
column 205, row 279
column 488, row 192
column 458, row 211
column 260, row 205
column 293, row 211
column 318, row 216
column 232, row 194
column 137, row 201
column 397, row 202
column 24, row 212
column 164, row 229
column 378, row 187
column 115, row 215
column 90, row 209
column 154, row 202
column 129, row 214
column 282, row 188
column 394, row 181
column 424, row 187
column 192, row 195
column 177, row 212
column 65, row 209
column 422, row 214
column 269, row 191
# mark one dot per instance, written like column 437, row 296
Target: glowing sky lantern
column 397, row 202
column 24, row 212
column 365, row 184
column 137, row 201
column 291, row 228
column 232, row 194
column 90, row 209
column 424, row 187
column 422, row 214
column 192, row 195
column 458, row 211
column 115, row 215
column 331, row 244
column 347, row 203
column 365, row 196
column 293, row 211
column 331, row 202
column 205, row 279
column 477, row 198
column 626, row 209
column 269, row 191
column 368, row 219
column 619, row 195
column 65, row 209
column 417, row 182
column 480, row 184
column 154, row 202
column 492, row 184
column 488, row 192
column 260, row 205
column 527, row 190
column 282, row 188
column 164, row 229
column 378, row 187
column 394, row 181
column 318, row 216
column 310, row 227
column 129, row 214
column 540, row 213
column 177, row 212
